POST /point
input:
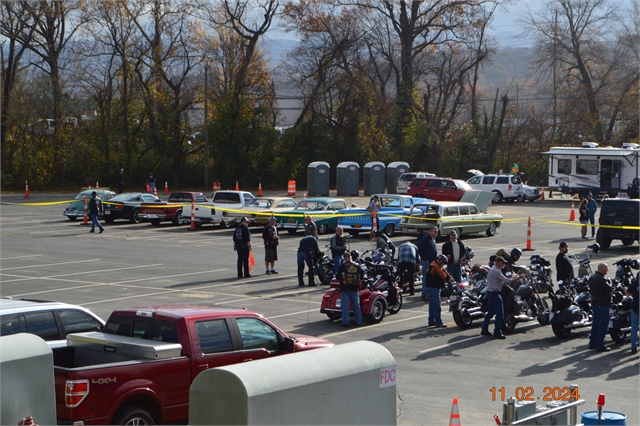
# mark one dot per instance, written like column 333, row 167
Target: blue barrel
column 608, row 418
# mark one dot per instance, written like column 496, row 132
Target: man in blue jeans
column 95, row 208
column 350, row 275
column 633, row 292
column 428, row 252
column 600, row 290
column 495, row 281
column 436, row 276
column 592, row 207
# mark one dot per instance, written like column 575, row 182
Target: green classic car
column 323, row 211
column 461, row 216
column 75, row 209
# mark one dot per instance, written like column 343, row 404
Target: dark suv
column 619, row 220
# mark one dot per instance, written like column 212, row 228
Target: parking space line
column 45, row 232
column 21, row 257
column 172, row 276
column 49, row 264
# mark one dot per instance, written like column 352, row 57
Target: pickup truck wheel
column 224, row 224
column 176, row 218
column 128, row 415
column 135, row 216
column 388, row 230
column 354, row 233
column 155, row 222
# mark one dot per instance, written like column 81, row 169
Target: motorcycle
column 378, row 293
column 570, row 308
column 620, row 313
column 521, row 305
column 324, row 267
column 541, row 273
column 467, row 298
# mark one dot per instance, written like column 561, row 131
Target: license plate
column 453, row 298
column 357, row 226
column 152, row 216
column 107, row 212
column 338, row 303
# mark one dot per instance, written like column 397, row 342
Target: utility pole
column 206, row 127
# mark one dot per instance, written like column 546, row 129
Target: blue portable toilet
column 318, row 174
column 348, row 178
column 374, row 175
column 394, row 171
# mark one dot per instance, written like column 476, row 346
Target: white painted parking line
column 557, row 360
column 49, row 264
column 208, row 240
column 21, row 257
column 45, row 232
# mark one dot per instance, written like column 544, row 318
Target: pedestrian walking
column 242, row 245
column 495, row 281
column 120, row 181
column 592, row 207
column 428, row 252
column 350, row 275
column 564, row 267
column 436, row 278
column 633, row 292
column 408, row 263
column 151, row 180
column 271, row 238
column 600, row 290
column 338, row 246
column 373, row 209
column 95, row 210
column 310, row 228
column 307, row 251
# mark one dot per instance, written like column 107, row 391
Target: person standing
column 151, row 180
column 338, row 247
column 350, row 275
column 310, row 228
column 564, row 267
column 271, row 238
column 600, row 290
column 373, row 209
column 120, row 181
column 454, row 250
column 95, row 210
column 583, row 217
column 592, row 207
column 408, row 263
column 495, row 281
column 633, row 292
column 436, row 277
column 307, row 251
column 242, row 245
column 428, row 252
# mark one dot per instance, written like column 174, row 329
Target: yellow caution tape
column 47, row 203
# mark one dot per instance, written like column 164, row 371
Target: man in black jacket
column 95, row 208
column 454, row 250
column 338, row 247
column 307, row 251
column 242, row 245
column 350, row 275
column 271, row 238
column 564, row 267
column 600, row 290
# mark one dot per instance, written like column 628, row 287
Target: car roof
column 445, row 204
column 182, row 310
column 15, row 306
column 323, row 199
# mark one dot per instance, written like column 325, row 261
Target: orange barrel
column 291, row 191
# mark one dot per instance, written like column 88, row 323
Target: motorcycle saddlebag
column 569, row 315
column 543, row 318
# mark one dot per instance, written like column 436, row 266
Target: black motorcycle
column 620, row 313
column 541, row 273
column 521, row 305
column 570, row 308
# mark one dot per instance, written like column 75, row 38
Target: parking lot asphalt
column 43, row 255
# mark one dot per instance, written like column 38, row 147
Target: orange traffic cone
column 237, row 186
column 454, row 420
column 542, row 195
column 259, row 189
column 572, row 216
column 26, row 189
column 166, row 188
column 193, row 216
column 528, row 248
column 85, row 220
column 155, row 192
column 304, row 194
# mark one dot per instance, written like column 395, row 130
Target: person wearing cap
column 242, row 245
column 270, row 237
column 564, row 268
column 374, row 207
column 495, row 281
column 454, row 250
column 310, row 228
column 592, row 207
column 436, row 276
column 428, row 252
column 350, row 275
column 95, row 209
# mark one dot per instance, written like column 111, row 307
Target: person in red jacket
column 436, row 276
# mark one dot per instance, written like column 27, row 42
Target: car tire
column 497, row 197
column 628, row 241
column 603, row 239
column 388, row 230
column 354, row 233
column 109, row 219
column 323, row 228
column 72, row 218
column 129, row 415
column 491, row 230
column 177, row 220
column 334, row 316
column 135, row 216
column 292, row 231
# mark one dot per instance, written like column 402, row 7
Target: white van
column 405, row 180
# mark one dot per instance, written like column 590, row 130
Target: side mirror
column 288, row 345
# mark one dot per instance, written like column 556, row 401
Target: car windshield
column 310, row 205
column 81, row 195
column 462, row 184
column 620, row 209
column 125, row 197
column 407, row 176
column 259, row 202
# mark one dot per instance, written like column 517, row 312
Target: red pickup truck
column 172, row 209
column 139, row 370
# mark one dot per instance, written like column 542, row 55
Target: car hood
column 309, row 342
column 481, row 199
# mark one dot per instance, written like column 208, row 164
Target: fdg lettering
column 387, row 377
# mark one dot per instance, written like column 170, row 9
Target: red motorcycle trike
column 376, row 297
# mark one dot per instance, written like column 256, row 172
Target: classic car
column 392, row 209
column 323, row 211
column 127, row 206
column 464, row 217
column 76, row 208
column 259, row 210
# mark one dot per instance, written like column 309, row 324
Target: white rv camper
column 593, row 169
